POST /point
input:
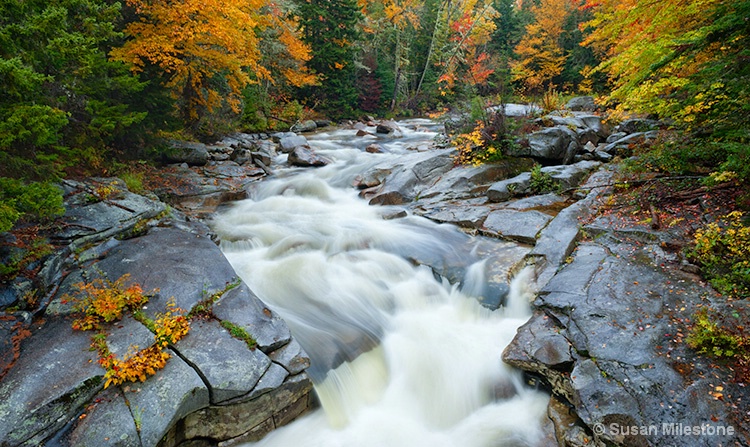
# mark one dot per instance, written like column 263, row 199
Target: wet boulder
column 288, row 143
column 305, row 157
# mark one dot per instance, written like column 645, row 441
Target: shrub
column 541, row 182
column 33, row 201
column 708, row 336
column 722, row 249
column 105, row 301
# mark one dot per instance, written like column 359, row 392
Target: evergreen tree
column 331, row 29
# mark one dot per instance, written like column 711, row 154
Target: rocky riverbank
column 605, row 338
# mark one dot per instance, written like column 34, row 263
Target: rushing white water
column 399, row 358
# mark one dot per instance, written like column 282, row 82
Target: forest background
column 89, row 86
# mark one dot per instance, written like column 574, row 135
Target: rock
column 241, row 156
column 305, row 157
column 109, row 422
column 564, row 177
column 570, row 176
column 374, row 149
column 231, row 369
column 557, row 241
column 465, row 216
column 622, row 146
column 581, row 103
column 88, row 219
column 304, row 126
column 194, row 154
column 597, row 337
column 388, row 127
column 200, row 193
column 291, row 357
column 616, row 136
column 163, row 403
column 466, row 182
column 13, row 328
column 587, row 136
column 241, row 307
column 195, row 263
column 505, row 189
column 554, row 144
column 603, row 156
column 32, row 411
column 637, row 125
column 521, row 226
column 288, row 143
column 249, row 420
column 414, row 173
column 323, row 123
column 265, row 152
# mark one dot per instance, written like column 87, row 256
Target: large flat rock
column 53, row 379
column 229, row 366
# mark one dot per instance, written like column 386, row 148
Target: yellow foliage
column 541, row 56
column 105, row 301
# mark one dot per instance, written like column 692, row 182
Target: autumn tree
column 686, row 60
column 207, row 50
column 541, row 55
column 464, row 56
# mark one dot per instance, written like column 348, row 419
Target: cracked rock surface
column 54, row 392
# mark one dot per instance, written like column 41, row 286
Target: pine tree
column 331, row 29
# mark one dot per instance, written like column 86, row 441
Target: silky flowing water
column 399, row 356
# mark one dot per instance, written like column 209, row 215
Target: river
column 400, row 357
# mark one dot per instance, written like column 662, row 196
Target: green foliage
column 35, row 201
column 681, row 60
column 331, row 28
column 133, row 180
column 64, row 103
column 239, row 333
column 709, row 335
column 681, row 155
column 722, row 249
column 541, row 182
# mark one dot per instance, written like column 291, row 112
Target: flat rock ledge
column 214, row 387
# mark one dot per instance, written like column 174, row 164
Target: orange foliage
column 541, row 55
column 195, row 41
column 105, row 301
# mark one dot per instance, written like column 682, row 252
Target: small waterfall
column 398, row 357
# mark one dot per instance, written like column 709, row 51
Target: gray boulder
column 192, row 153
column 306, row 157
column 304, row 126
column 388, row 127
column 521, row 226
column 556, row 144
column 415, row 173
column 581, row 103
column 288, row 143
column 634, row 125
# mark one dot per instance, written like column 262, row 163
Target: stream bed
column 400, row 356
